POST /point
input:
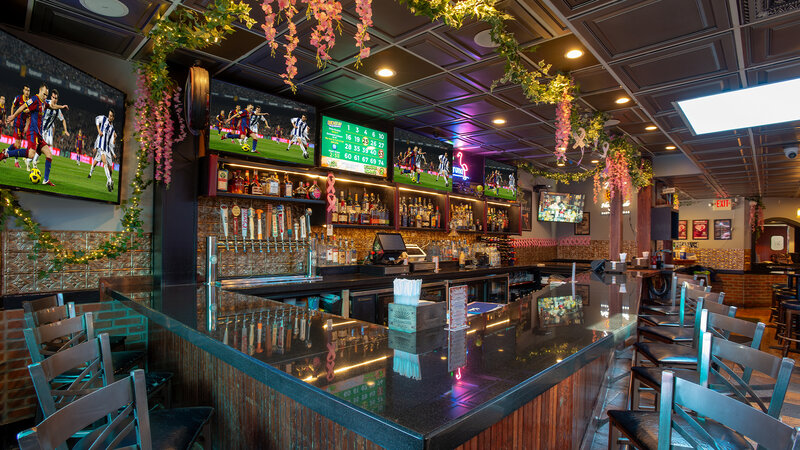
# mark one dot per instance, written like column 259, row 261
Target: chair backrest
column 49, row 339
column 718, row 353
column 679, row 395
column 124, row 406
column 43, row 303
column 715, row 297
column 72, row 373
column 724, row 325
column 49, row 315
column 699, row 317
column 689, row 298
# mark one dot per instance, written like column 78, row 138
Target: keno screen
column 353, row 148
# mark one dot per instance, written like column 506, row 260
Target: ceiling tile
column 594, row 79
column 700, row 59
column 574, row 7
column 660, row 101
column 262, row 59
column 393, row 101
column 345, row 47
column 347, row 84
column 435, row 50
column 236, row 45
column 480, row 105
column 774, row 73
column 487, row 72
column 773, row 40
column 464, row 127
column 625, row 28
column 442, row 88
column 392, row 18
column 408, row 67
column 139, row 12
column 251, row 78
column 432, row 116
column 513, row 118
column 554, row 51
column 607, row 100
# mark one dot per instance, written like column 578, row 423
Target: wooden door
column 773, row 241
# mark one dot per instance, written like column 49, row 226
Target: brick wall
column 19, row 271
column 747, row 290
column 16, row 391
column 532, row 255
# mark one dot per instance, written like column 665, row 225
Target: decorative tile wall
column 597, row 249
column 16, row 391
column 19, row 271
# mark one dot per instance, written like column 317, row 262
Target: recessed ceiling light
column 595, row 161
column 670, row 147
column 574, row 53
column 622, row 100
column 484, row 39
column 107, row 8
column 560, row 164
column 384, row 72
column 744, row 108
column 499, row 121
column 651, row 128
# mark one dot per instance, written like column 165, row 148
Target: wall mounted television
column 255, row 124
column 556, row 207
column 352, row 147
column 60, row 115
column 499, row 180
column 422, row 161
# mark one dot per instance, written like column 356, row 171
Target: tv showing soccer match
column 61, row 129
column 353, row 148
column 499, row 180
column 561, row 310
column 252, row 123
column 555, row 207
column 422, row 161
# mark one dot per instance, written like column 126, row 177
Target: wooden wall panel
column 250, row 415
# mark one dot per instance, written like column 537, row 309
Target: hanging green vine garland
column 184, row 28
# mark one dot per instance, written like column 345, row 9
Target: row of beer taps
column 259, row 225
column 269, row 331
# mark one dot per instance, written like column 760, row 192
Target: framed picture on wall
column 682, row 225
column 722, row 230
column 700, row 229
column 583, row 227
column 526, row 209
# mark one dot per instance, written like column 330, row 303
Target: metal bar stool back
column 123, row 403
column 52, row 314
column 43, row 303
column 46, row 340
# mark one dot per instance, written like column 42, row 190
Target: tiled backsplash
column 597, row 249
column 20, row 272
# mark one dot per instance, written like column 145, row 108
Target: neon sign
column 460, row 170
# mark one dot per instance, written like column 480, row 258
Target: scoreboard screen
column 351, row 147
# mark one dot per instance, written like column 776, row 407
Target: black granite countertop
column 434, row 389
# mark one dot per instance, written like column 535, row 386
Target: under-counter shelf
column 353, row 225
column 308, row 201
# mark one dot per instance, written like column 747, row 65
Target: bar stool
column 791, row 327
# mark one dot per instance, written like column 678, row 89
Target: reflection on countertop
column 421, row 381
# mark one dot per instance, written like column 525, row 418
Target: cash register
column 388, row 255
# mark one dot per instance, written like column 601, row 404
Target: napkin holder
column 413, row 318
column 615, row 267
column 418, row 343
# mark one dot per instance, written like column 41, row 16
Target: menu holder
column 457, row 308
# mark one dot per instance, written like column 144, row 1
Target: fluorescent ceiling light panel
column 744, row 108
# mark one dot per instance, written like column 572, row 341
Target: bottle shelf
column 422, row 228
column 353, row 225
column 307, row 201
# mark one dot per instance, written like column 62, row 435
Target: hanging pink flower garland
column 326, row 13
column 615, row 177
column 563, row 126
column 156, row 119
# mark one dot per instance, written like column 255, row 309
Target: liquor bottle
column 353, row 253
column 373, row 212
column 222, row 179
column 342, row 252
column 255, row 184
column 314, row 192
column 365, row 210
column 356, row 210
column 418, row 213
column 346, row 252
column 328, row 251
column 403, row 218
column 342, row 208
column 335, row 212
column 274, row 185
column 437, row 218
column 246, row 183
column 301, row 191
column 287, row 186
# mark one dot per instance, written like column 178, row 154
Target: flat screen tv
column 70, row 123
column 555, row 207
column 352, row 147
column 422, row 161
column 499, row 180
column 252, row 123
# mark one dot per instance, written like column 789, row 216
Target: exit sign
column 723, row 204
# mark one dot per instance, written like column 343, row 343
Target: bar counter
column 331, row 380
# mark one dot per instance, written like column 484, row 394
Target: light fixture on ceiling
column 595, row 161
column 107, row 8
column 385, row 72
column 670, row 147
column 611, row 123
column 651, row 128
column 574, row 54
column 743, row 108
column 622, row 100
column 484, row 39
column 499, row 121
column 798, row 212
column 560, row 163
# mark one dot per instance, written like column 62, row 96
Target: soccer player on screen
column 419, row 157
column 49, row 122
column 255, row 118
column 80, row 144
column 2, row 113
column 299, row 134
column 19, row 126
column 235, row 120
column 220, row 120
column 35, row 106
column 104, row 146
column 444, row 169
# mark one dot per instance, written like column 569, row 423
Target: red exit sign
column 723, row 204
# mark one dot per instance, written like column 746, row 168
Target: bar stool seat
column 667, row 334
column 641, row 427
column 666, row 321
column 667, row 354
column 667, row 310
column 652, row 376
column 178, row 428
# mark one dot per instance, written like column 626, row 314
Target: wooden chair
column 46, row 340
column 693, row 416
column 122, row 404
column 91, row 360
column 718, row 357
